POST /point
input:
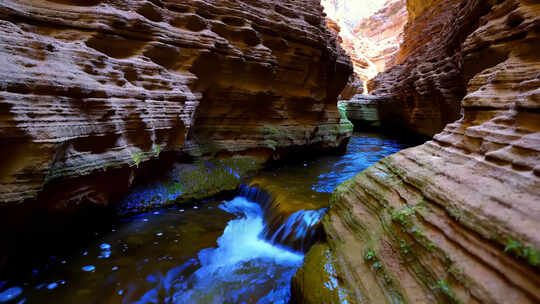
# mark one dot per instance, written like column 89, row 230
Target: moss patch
column 317, row 280
column 190, row 183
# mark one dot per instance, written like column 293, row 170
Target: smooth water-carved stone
column 457, row 218
column 91, row 87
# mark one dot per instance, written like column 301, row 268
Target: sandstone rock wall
column 364, row 111
column 89, row 87
column 372, row 44
column 428, row 81
column 353, row 87
column 456, row 219
column 382, row 33
column 381, row 112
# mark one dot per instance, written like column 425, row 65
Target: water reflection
column 245, row 267
column 116, row 267
column 364, row 150
column 219, row 252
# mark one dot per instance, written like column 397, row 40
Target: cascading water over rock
column 300, row 231
column 297, row 231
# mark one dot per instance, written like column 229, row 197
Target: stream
column 245, row 250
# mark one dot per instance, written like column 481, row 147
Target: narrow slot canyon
column 269, row 151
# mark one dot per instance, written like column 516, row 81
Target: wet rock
column 455, row 219
column 363, row 110
column 86, row 91
column 309, row 285
column 10, row 294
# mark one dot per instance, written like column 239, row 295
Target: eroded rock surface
column 372, row 43
column 380, row 35
column 428, row 81
column 96, row 86
column 363, row 110
column 456, row 219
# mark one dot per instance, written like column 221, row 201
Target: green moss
column 137, row 157
column 174, row 187
column 370, row 255
column 345, row 126
column 201, row 180
column 419, row 236
column 271, row 131
column 528, row 254
column 443, row 287
column 402, row 216
column 157, row 150
column 342, row 107
column 376, row 265
column 457, row 273
column 404, row 247
column 210, row 177
column 344, row 186
column 317, row 280
column 272, row 144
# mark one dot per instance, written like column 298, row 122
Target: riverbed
column 236, row 251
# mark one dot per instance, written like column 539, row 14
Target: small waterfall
column 244, row 266
column 298, row 231
column 301, row 230
column 254, row 194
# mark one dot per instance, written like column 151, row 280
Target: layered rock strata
column 89, row 87
column 428, row 80
column 372, row 44
column 456, row 219
column 381, row 34
column 365, row 110
column 353, row 87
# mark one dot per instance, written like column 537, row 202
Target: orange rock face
column 372, row 44
column 91, row 86
column 381, row 34
column 455, row 220
column 427, row 83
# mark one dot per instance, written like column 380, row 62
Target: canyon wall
column 380, row 35
column 428, row 81
column 456, row 219
column 93, row 91
column 372, row 44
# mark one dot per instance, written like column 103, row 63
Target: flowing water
column 245, row 250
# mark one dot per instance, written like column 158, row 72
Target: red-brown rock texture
column 456, row 219
column 428, row 82
column 380, row 35
column 90, row 86
column 353, row 87
column 373, row 44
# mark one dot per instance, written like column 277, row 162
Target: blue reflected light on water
column 363, row 151
column 170, row 255
column 10, row 294
column 244, row 268
column 299, row 228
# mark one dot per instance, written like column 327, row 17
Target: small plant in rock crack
column 529, row 254
column 137, row 158
column 404, row 248
column 370, row 255
column 445, row 289
column 402, row 216
column 157, row 150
